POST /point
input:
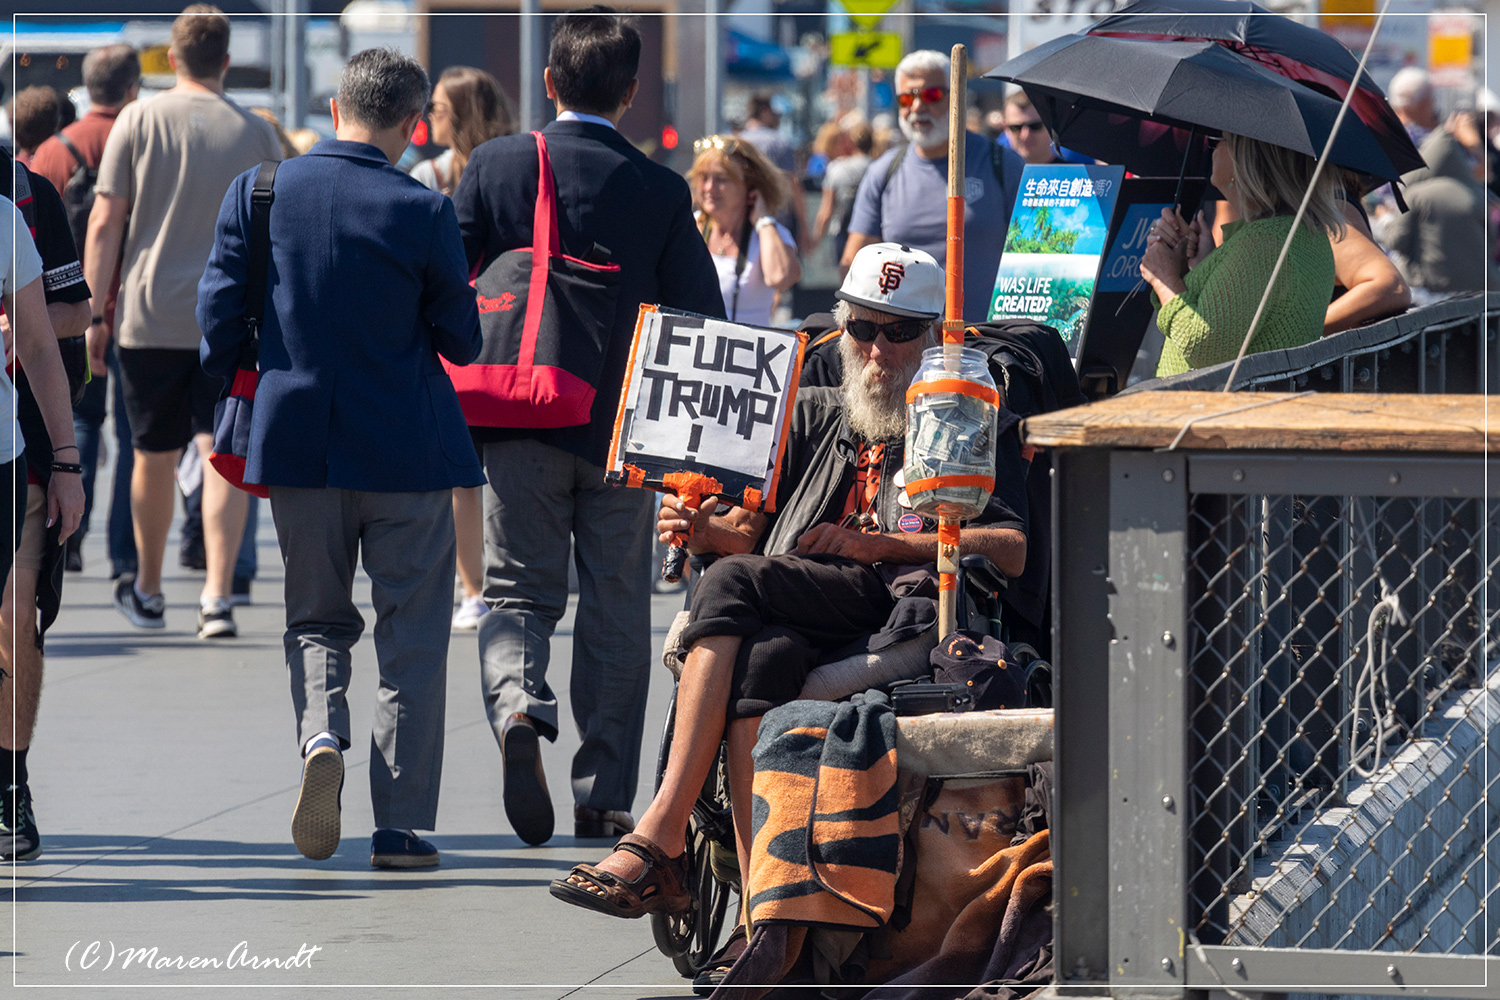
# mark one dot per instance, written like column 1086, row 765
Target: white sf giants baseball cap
column 895, row 279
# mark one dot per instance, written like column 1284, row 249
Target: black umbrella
column 1145, row 103
column 1296, row 51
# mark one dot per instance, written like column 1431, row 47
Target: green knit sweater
column 1206, row 323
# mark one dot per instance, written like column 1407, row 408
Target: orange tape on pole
column 954, row 271
column 957, row 386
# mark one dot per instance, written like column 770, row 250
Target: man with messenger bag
column 357, row 433
column 609, row 223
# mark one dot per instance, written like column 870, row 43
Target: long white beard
column 935, row 134
column 876, row 411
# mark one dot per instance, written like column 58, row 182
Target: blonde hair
column 745, row 162
column 1271, row 180
column 827, row 138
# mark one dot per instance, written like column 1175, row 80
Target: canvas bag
column 546, row 320
column 236, row 406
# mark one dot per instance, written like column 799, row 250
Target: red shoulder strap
column 544, row 242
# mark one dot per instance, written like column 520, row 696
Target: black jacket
column 611, row 195
column 818, row 469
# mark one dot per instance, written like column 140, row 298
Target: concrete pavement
column 165, row 770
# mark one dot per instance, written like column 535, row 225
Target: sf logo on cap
column 891, row 273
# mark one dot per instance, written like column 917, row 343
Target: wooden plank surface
column 1219, row 421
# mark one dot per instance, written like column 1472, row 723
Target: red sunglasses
column 929, row 95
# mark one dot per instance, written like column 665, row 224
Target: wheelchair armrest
column 981, row 571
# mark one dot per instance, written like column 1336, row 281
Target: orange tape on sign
column 957, row 386
column 937, row 482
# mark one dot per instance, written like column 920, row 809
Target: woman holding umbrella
column 1208, row 299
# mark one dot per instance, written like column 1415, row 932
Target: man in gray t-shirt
column 910, row 206
column 166, row 165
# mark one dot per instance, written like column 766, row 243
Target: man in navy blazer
column 546, row 487
column 358, row 434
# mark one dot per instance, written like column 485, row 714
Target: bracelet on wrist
column 765, row 220
column 96, row 321
column 71, row 467
column 64, row 447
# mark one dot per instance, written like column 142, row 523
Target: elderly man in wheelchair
column 788, row 588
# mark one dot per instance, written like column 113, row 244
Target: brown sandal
column 660, row 886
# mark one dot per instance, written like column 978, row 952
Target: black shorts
column 790, row 610
column 168, row 396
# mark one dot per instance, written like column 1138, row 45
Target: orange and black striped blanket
column 827, row 840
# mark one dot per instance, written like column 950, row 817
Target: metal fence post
column 1080, row 650
column 1148, row 689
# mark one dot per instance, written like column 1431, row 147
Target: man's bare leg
column 224, row 509
column 741, row 738
column 468, row 532
column 153, row 501
column 702, row 699
column 21, row 689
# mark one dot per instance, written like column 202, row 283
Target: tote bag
column 546, row 320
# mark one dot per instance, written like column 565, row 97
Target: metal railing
column 1447, row 347
column 1278, row 698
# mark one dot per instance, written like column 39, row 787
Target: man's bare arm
column 69, row 319
column 1006, row 547
column 855, row 243
column 36, row 347
column 101, row 258
column 734, row 532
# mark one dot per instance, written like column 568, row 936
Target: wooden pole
column 953, row 314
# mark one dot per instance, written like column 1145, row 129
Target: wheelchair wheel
column 690, row 938
column 1037, row 673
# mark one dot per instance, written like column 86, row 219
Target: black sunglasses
column 900, row 331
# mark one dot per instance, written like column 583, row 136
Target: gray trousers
column 538, row 498
column 406, row 543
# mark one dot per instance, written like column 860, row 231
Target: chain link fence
column 1278, row 696
column 1340, row 654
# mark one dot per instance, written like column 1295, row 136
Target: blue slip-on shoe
column 399, row 849
column 316, row 824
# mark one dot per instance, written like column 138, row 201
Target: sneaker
column 316, row 823
column 19, row 839
column 469, row 612
column 239, row 594
column 148, row 613
column 399, row 849
column 216, row 620
column 73, row 553
column 193, row 556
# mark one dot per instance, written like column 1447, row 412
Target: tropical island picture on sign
column 1057, row 234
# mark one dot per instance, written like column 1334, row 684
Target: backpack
column 78, row 195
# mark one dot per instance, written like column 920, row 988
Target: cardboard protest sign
column 1051, row 257
column 707, row 396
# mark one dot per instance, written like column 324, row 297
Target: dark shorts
column 168, row 396
column 791, row 611
column 13, row 489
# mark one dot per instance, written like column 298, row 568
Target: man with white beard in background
column 904, row 195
